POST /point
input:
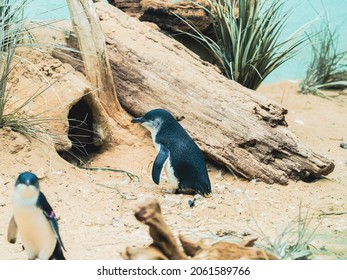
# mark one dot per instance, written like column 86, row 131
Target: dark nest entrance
column 81, row 134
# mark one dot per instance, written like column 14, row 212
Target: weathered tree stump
column 234, row 126
column 91, row 43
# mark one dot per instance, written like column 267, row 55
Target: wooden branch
column 94, row 55
column 148, row 253
column 234, row 126
column 149, row 213
column 224, row 251
column 164, row 245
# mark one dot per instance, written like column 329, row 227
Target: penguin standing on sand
column 178, row 154
column 35, row 221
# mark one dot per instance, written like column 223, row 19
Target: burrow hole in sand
column 81, row 134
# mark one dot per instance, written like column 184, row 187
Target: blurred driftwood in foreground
column 164, row 246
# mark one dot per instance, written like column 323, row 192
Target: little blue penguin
column 35, row 221
column 178, row 154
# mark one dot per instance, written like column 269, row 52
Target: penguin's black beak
column 137, row 120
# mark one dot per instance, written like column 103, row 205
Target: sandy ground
column 95, row 208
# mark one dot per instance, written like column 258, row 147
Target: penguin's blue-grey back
column 187, row 160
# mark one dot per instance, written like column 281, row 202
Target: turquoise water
column 47, row 9
column 312, row 12
column 303, row 11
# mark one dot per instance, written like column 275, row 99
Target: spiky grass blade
column 12, row 33
column 294, row 241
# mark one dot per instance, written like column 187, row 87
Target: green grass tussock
column 327, row 68
column 294, row 242
column 13, row 34
column 245, row 42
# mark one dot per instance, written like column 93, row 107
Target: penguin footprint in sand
column 34, row 220
column 178, row 154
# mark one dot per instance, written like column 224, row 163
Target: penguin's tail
column 57, row 253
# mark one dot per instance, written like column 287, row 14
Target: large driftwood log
column 164, row 246
column 162, row 12
column 234, row 126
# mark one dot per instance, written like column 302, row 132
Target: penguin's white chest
column 168, row 169
column 170, row 174
column 35, row 231
column 167, row 165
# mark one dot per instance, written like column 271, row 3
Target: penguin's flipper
column 50, row 216
column 12, row 231
column 159, row 162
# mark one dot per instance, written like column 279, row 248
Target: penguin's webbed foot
column 185, row 191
